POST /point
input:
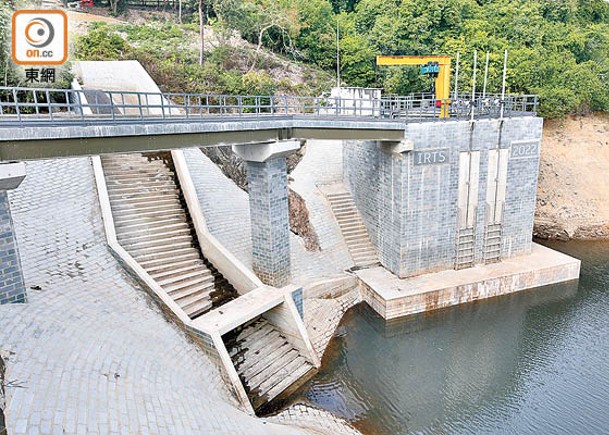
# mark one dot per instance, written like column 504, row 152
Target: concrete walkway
column 89, row 352
column 393, row 297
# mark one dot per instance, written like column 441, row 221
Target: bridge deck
column 45, row 123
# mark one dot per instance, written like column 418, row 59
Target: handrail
column 33, row 106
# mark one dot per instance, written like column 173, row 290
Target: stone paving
column 226, row 210
column 89, row 352
column 322, row 317
column 315, row 420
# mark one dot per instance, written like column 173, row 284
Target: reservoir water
column 535, row 362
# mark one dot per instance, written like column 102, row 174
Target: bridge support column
column 267, row 178
column 12, row 287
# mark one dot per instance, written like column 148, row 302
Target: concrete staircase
column 153, row 226
column 492, row 243
column 353, row 229
column 266, row 362
column 465, row 248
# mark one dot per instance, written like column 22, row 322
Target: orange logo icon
column 40, row 37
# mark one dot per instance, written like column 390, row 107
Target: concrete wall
column 12, row 288
column 409, row 201
column 123, row 75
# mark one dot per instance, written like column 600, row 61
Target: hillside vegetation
column 170, row 53
column 558, row 49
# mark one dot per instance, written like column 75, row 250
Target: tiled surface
column 316, row 420
column 321, row 166
column 411, row 210
column 298, row 301
column 322, row 317
column 89, row 352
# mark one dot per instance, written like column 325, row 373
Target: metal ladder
column 492, row 243
column 466, row 243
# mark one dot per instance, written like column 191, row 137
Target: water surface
column 534, row 362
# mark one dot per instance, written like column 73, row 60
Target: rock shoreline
column 550, row 230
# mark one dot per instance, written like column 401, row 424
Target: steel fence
column 34, row 106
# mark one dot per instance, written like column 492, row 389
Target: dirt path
column 79, row 22
column 573, row 192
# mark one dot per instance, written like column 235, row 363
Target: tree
column 271, row 23
column 201, row 33
column 117, row 6
column 278, row 16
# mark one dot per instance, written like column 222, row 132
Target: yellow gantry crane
column 439, row 64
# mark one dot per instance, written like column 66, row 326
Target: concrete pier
column 451, row 195
column 267, row 178
column 393, row 297
column 12, row 287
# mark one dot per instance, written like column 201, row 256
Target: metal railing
column 40, row 106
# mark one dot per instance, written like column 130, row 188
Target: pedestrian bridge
column 50, row 123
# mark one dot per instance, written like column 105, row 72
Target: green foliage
column 8, row 74
column 558, row 49
column 100, row 43
column 169, row 52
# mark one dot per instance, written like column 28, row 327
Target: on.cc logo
column 39, row 32
column 40, row 37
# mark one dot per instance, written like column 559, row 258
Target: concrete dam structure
column 411, row 212
column 461, row 193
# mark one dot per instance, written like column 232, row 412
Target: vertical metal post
column 17, row 109
column 474, row 84
column 48, row 95
column 67, row 98
column 485, row 75
column 505, row 58
column 112, row 106
column 337, row 53
column 456, row 95
column 82, row 110
column 148, row 106
column 36, row 103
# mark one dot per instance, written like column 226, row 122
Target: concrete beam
column 55, row 141
column 266, row 151
column 392, row 147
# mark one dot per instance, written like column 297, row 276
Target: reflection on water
column 532, row 362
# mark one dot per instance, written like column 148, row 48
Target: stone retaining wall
column 12, row 288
